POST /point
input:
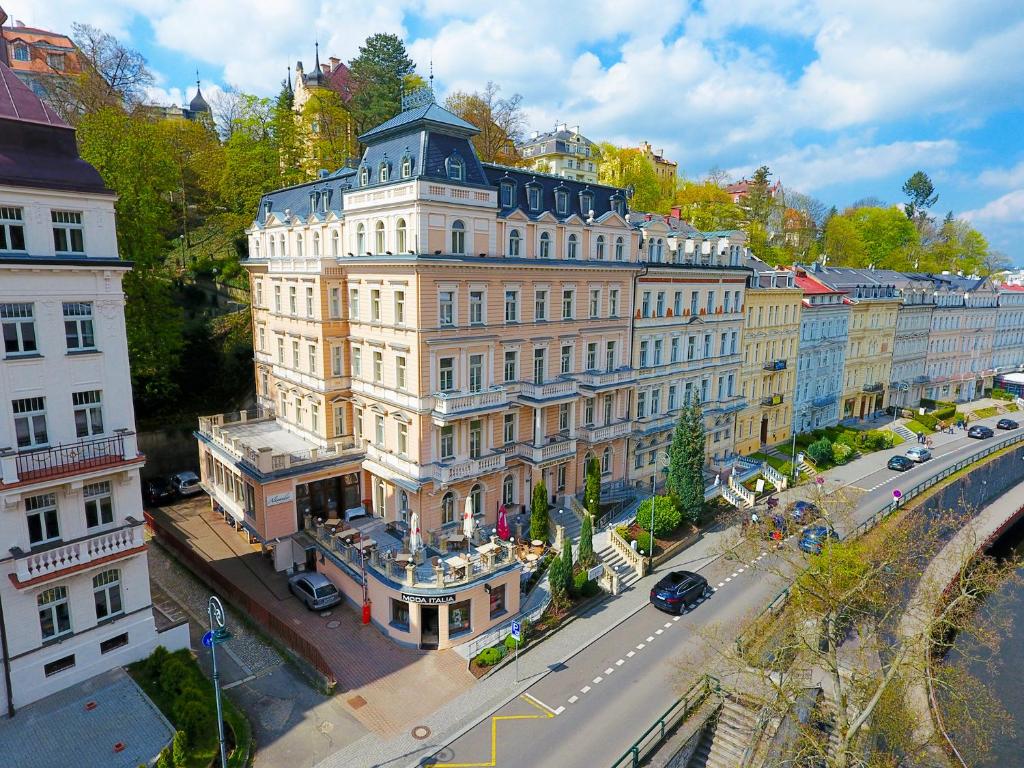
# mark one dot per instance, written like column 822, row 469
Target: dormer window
column 534, row 195
column 586, row 203
column 561, row 202
column 508, row 191
column 618, row 204
column 266, row 211
column 384, row 171
column 406, row 165
column 364, row 176
column 456, row 167
column 314, row 199
column 325, row 198
column 21, row 52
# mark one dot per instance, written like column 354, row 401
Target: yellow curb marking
column 546, row 713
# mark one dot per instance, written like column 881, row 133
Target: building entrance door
column 764, row 430
column 311, row 559
column 428, row 627
column 863, row 407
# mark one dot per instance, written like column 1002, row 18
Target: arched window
column 458, row 237
column 448, row 508
column 600, row 248
column 586, row 460
column 316, row 243
column 606, row 461
column 360, row 240
column 270, row 242
column 545, row 245
column 618, row 249
column 379, row 497
column 661, row 249
column 21, row 52
column 406, row 167
column 571, row 247
column 364, row 176
column 514, row 243
column 335, row 244
column 403, row 505
column 256, row 248
column 298, row 245
column 379, row 238
column 400, row 236
column 508, row 490
column 283, row 245
column 456, row 168
column 477, row 496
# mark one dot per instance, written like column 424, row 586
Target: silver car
column 315, row 590
column 918, row 454
column 186, row 483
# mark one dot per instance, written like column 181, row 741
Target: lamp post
column 658, row 455
column 218, row 634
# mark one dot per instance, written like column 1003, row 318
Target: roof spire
column 289, row 78
column 431, row 73
column 316, row 44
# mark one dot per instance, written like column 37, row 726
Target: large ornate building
column 562, row 152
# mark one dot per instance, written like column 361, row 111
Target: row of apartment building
column 432, row 331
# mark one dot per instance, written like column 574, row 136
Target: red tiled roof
column 1006, row 287
column 17, row 102
column 810, row 286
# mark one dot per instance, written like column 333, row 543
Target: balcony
column 460, row 470
column 772, row 400
column 557, row 389
column 451, row 405
column 662, row 421
column 775, row 365
column 68, row 459
column 594, row 380
column 34, row 567
column 823, row 401
column 607, row 432
column 392, row 461
column 872, row 389
column 560, row 447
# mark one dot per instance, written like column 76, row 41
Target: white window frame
column 107, row 597
column 50, row 601
column 87, row 407
column 68, row 232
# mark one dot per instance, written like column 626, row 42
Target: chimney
column 575, row 129
column 677, row 212
column 335, row 61
column 561, row 127
column 325, row 68
column 659, row 152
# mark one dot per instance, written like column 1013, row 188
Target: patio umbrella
column 414, row 533
column 467, row 518
column 503, row 532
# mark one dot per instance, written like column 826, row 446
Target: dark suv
column 678, row 590
column 1006, row 424
column 979, row 432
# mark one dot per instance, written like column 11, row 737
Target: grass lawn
column 1011, row 407
column 773, row 461
column 984, row 413
column 751, row 484
column 917, row 426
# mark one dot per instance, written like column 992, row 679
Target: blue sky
column 842, row 99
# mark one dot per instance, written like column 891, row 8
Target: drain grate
column 420, row 732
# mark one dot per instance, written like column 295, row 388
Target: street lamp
column 658, row 455
column 218, row 634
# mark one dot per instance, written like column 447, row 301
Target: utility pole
column 218, row 634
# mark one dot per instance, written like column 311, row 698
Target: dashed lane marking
column 658, row 631
column 650, row 639
column 620, row 662
column 677, row 618
column 584, row 689
column 720, row 585
column 631, row 654
column 640, row 647
column 668, row 624
column 728, row 580
column 573, row 699
column 597, row 680
column 609, row 671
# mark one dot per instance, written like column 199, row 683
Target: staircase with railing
column 776, row 478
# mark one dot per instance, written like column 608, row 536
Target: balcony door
column 476, row 373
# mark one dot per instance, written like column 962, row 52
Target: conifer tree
column 539, row 513
column 692, row 447
column 587, row 558
column 592, row 489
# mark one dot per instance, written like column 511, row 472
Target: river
column 1004, row 674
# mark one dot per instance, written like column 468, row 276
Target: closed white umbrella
column 467, row 518
column 414, row 533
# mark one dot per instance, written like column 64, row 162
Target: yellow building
column 562, row 152
column 874, row 304
column 665, row 169
column 771, row 337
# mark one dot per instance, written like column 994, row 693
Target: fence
column 276, row 626
column 652, row 738
column 471, row 648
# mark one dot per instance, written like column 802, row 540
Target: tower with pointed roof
column 198, row 108
column 74, row 580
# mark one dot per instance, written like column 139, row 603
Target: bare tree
column 501, row 122
column 226, row 106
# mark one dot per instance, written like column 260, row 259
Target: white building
column 74, row 583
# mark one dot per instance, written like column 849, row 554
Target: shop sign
column 279, row 498
column 428, row 599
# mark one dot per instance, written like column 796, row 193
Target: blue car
column 813, row 538
column 802, row 511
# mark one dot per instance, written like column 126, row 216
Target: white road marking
column 763, row 554
column 620, row 662
column 650, row 639
column 597, row 680
column 584, row 689
column 728, row 579
column 720, row 585
column 559, row 711
column 640, row 647
column 573, row 699
column 609, row 671
column 677, row 618
column 658, row 631
column 540, row 703
column 668, row 624
column 631, row 654
column 741, row 570
column 734, row 575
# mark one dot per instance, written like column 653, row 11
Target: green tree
column 557, row 579
column 921, row 196
column 592, row 488
column 501, row 122
column 378, row 77
column 667, row 515
column 888, row 236
column 539, row 513
column 288, row 140
column 566, row 569
column 179, row 749
column 676, row 481
column 690, row 492
column 587, row 557
column 843, row 243
column 328, row 131
column 627, row 167
column 706, row 206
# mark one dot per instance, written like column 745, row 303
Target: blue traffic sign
column 517, row 631
column 208, row 639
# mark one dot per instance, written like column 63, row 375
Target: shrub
column 875, row 440
column 165, row 760
column 667, row 516
column 820, row 451
column 488, row 657
column 944, row 413
column 173, row 676
column 510, row 643
column 583, row 586
column 643, row 542
column 194, row 716
column 927, row 420
column 179, row 749
column 587, row 557
column 841, row 453
column 539, row 513
column 1001, row 394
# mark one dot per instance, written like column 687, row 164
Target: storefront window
column 497, row 600
column 458, row 618
column 400, row 614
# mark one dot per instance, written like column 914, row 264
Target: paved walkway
column 385, row 687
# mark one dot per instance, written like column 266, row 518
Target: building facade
column 821, row 356
column 432, row 334
column 37, row 56
column 666, row 170
column 771, row 342
column 562, row 152
column 961, row 340
column 1008, row 343
column 688, row 318
column 910, row 343
column 74, row 592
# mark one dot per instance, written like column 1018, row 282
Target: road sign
column 517, row 631
column 216, row 611
column 897, row 494
column 208, row 639
column 595, row 572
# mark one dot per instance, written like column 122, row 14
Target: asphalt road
column 588, row 711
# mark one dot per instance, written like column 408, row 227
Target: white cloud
column 1003, row 177
column 1008, row 209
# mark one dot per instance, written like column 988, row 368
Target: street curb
column 529, row 682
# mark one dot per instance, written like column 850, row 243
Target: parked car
column 678, row 590
column 978, row 432
column 918, row 454
column 157, row 491
column 1006, row 424
column 813, row 538
column 186, row 483
column 315, row 590
column 900, row 463
column 802, row 511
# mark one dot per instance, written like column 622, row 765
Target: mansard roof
column 424, row 116
column 301, row 199
column 522, row 179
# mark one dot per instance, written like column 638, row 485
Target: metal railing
column 683, row 707
column 68, row 458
